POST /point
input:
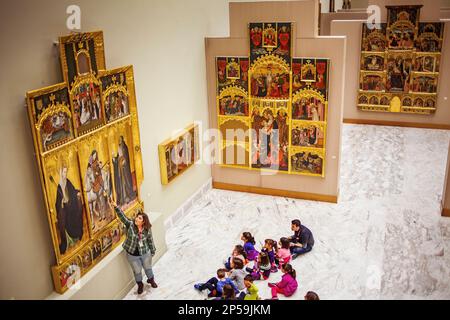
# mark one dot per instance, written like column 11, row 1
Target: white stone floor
column 385, row 238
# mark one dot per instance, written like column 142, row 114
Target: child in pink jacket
column 284, row 253
column 288, row 284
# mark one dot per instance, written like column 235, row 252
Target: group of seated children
column 233, row 282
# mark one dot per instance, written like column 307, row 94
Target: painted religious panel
column 179, row 153
column 270, row 79
column 308, row 134
column 115, row 94
column 307, row 161
column 68, row 217
column 424, row 83
column 407, row 13
column 407, row 101
column 123, row 164
column 233, row 101
column 430, row 102
column 67, row 275
column 49, row 112
column 86, row 258
column 399, row 67
column 87, row 104
column 363, row 99
column 374, row 39
column 430, row 37
column 427, row 62
column 232, row 71
column 373, row 81
column 107, row 241
column 372, row 62
column 308, row 105
column 115, row 234
column 270, row 38
column 310, row 73
column 270, row 139
column 97, row 179
column 81, row 54
column 96, row 249
column 403, row 22
column 374, row 100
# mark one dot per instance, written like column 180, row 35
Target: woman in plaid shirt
column 139, row 246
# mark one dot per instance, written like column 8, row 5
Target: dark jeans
column 300, row 251
column 211, row 285
column 228, row 264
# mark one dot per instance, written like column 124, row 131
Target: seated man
column 302, row 241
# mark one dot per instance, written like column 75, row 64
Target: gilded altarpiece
column 87, row 145
column 400, row 63
column 271, row 107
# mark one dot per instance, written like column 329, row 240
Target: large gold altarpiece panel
column 272, row 107
column 400, row 63
column 87, row 145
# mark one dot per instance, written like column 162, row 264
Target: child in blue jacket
column 215, row 285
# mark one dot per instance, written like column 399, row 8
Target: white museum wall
column 164, row 41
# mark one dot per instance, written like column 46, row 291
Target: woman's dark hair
column 241, row 251
column 285, row 243
column 238, row 263
column 249, row 238
column 270, row 242
column 147, row 225
column 296, row 223
column 311, row 295
column 249, row 278
column 288, row 268
column 228, row 292
column 264, row 258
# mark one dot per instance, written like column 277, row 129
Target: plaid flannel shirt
column 132, row 240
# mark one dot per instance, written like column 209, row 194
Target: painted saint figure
column 69, row 212
column 122, row 175
column 98, row 190
column 284, row 38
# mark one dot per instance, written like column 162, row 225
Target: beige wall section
column 445, row 14
column 358, row 12
column 352, row 30
column 325, row 22
column 429, row 12
column 323, row 47
column 164, row 40
column 304, row 12
column 359, row 4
